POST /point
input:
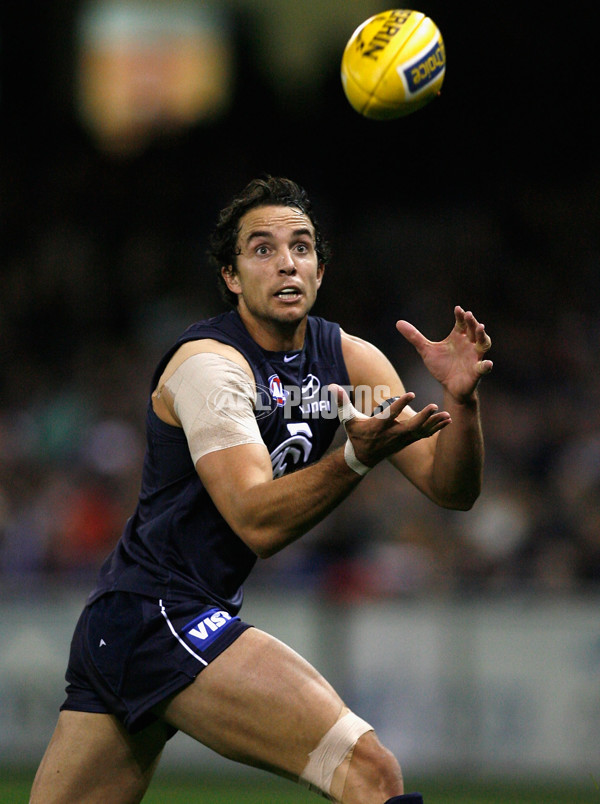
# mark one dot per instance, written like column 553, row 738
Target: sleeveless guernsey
column 176, row 545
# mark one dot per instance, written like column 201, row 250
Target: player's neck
column 275, row 336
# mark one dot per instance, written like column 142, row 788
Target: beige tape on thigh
column 333, row 749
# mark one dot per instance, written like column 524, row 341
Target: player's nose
column 286, row 262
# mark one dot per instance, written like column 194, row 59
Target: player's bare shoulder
column 162, row 403
column 205, row 345
column 366, row 364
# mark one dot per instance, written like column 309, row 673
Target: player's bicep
column 374, row 377
column 213, row 398
column 230, row 475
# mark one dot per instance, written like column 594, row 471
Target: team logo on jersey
column 294, row 451
column 277, row 391
column 203, row 630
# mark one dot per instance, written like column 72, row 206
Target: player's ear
column 320, row 272
column 231, row 278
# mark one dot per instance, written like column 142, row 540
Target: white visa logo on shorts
column 205, row 629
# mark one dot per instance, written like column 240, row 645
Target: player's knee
column 351, row 765
column 374, row 773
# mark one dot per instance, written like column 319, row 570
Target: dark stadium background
column 488, row 198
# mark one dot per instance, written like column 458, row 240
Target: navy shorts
column 129, row 652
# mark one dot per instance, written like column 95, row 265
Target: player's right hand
column 394, row 428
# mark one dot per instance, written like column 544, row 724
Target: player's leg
column 91, row 759
column 260, row 703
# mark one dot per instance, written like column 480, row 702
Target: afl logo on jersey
column 277, row 391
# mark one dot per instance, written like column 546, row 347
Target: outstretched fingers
column 346, row 409
column 428, row 421
column 467, row 324
column 483, row 343
column 412, row 335
column 423, row 424
column 392, row 408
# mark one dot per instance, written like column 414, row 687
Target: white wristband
column 350, row 457
column 347, row 411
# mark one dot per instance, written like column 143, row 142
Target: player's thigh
column 259, row 702
column 92, row 759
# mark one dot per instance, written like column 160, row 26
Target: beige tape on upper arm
column 213, row 398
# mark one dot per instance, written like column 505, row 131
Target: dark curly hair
column 270, row 191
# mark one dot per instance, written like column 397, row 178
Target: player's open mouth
column 288, row 293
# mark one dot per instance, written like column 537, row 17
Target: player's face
column 277, row 274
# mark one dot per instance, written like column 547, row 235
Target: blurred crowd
column 103, row 264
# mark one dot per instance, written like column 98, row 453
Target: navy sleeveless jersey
column 177, row 545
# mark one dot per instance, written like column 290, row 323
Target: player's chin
column 290, row 318
column 292, row 310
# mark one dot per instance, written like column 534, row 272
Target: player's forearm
column 275, row 513
column 457, row 470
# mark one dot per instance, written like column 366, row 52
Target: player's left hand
column 458, row 361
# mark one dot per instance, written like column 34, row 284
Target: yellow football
column 394, row 63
